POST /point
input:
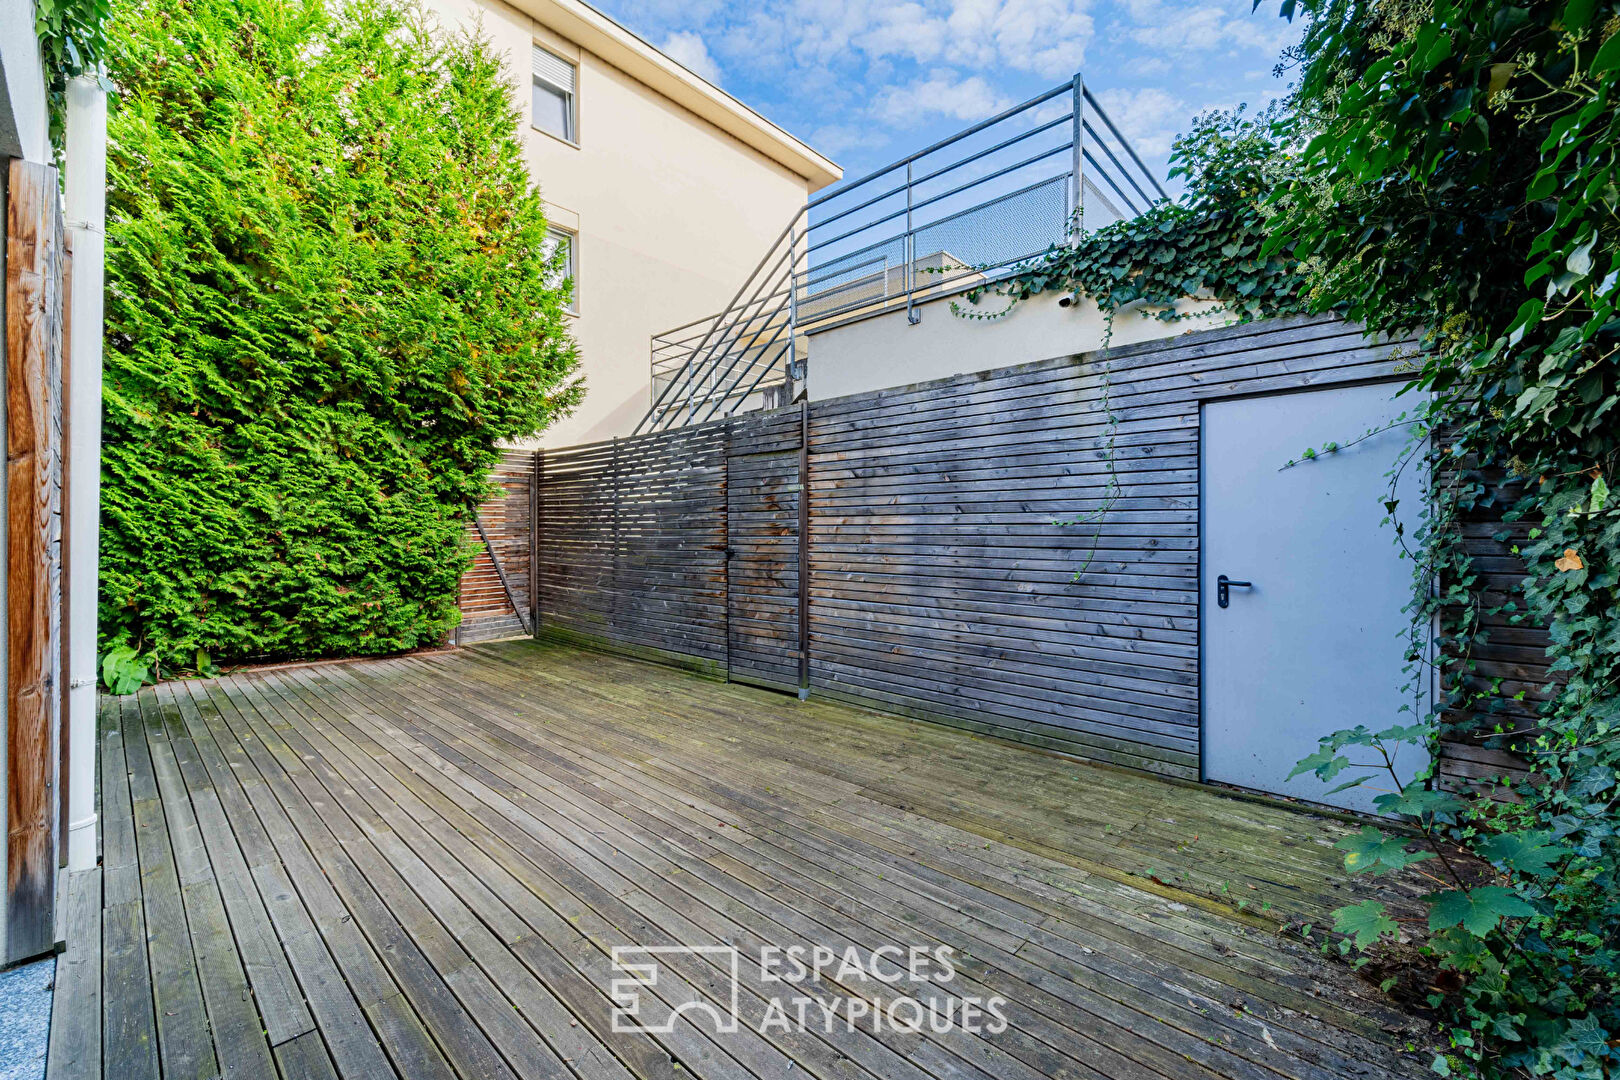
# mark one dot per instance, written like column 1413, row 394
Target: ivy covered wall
column 328, row 296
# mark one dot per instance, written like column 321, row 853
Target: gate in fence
column 907, row 548
column 681, row 546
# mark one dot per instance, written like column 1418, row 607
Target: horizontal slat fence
column 487, row 611
column 762, row 568
column 1507, row 675
column 632, row 544
column 942, row 587
column 941, row 581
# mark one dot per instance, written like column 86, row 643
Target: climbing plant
column 329, row 297
column 72, row 41
column 1459, row 178
column 1210, row 243
column 1449, row 167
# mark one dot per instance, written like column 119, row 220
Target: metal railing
column 960, row 213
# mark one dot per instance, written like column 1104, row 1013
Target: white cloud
column 1044, row 37
column 1203, row 28
column 1151, row 118
column 687, row 48
column 866, row 77
column 943, row 94
column 840, row 139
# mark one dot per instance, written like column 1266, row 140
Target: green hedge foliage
column 329, row 295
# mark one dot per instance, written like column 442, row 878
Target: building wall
column 886, row 350
column 671, row 213
column 24, row 128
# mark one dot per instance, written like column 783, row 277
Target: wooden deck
column 418, row 868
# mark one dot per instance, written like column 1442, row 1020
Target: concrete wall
column 671, row 213
column 24, row 128
column 886, row 350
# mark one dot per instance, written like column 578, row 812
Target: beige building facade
column 666, row 190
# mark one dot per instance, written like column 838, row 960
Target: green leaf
column 1579, row 262
column 1577, row 14
column 1608, row 57
column 1528, row 853
column 1477, row 910
column 1584, row 1038
column 1373, row 851
column 1365, row 922
column 1325, row 763
column 1416, row 801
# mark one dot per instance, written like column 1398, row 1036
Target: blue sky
column 868, row 81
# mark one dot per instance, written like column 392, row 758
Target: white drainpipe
column 85, row 203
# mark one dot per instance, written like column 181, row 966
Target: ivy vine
column 1209, row 244
column 1452, row 167
column 1460, row 177
column 72, row 42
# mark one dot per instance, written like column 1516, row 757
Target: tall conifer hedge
column 328, row 296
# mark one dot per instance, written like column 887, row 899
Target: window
column 560, row 239
column 554, row 94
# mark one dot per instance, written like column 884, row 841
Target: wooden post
column 64, row 742
column 615, row 578
column 535, row 475
column 33, row 365
column 804, row 548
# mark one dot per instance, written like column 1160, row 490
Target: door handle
column 1223, row 589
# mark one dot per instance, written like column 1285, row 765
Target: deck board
column 419, row 866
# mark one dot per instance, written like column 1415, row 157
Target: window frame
column 569, row 95
column 570, row 239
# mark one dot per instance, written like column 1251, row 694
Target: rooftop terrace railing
column 966, row 210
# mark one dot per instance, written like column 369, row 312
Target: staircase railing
column 711, row 367
column 956, row 214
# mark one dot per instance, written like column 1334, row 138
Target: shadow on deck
column 420, row 867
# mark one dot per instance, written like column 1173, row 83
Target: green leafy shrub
column 329, row 295
column 1461, row 178
column 72, row 39
column 124, row 671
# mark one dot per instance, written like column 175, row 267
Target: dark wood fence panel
column 943, row 586
column 494, row 596
column 576, row 539
column 34, row 260
column 1507, row 676
column 762, row 571
column 670, row 544
column 632, row 543
column 973, row 556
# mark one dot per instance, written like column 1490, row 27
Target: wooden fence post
column 536, row 474
column 33, row 434
column 804, row 548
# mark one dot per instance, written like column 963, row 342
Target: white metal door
column 1316, row 642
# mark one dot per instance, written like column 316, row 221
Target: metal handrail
column 1038, row 99
column 719, row 363
column 1123, row 141
column 693, row 365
